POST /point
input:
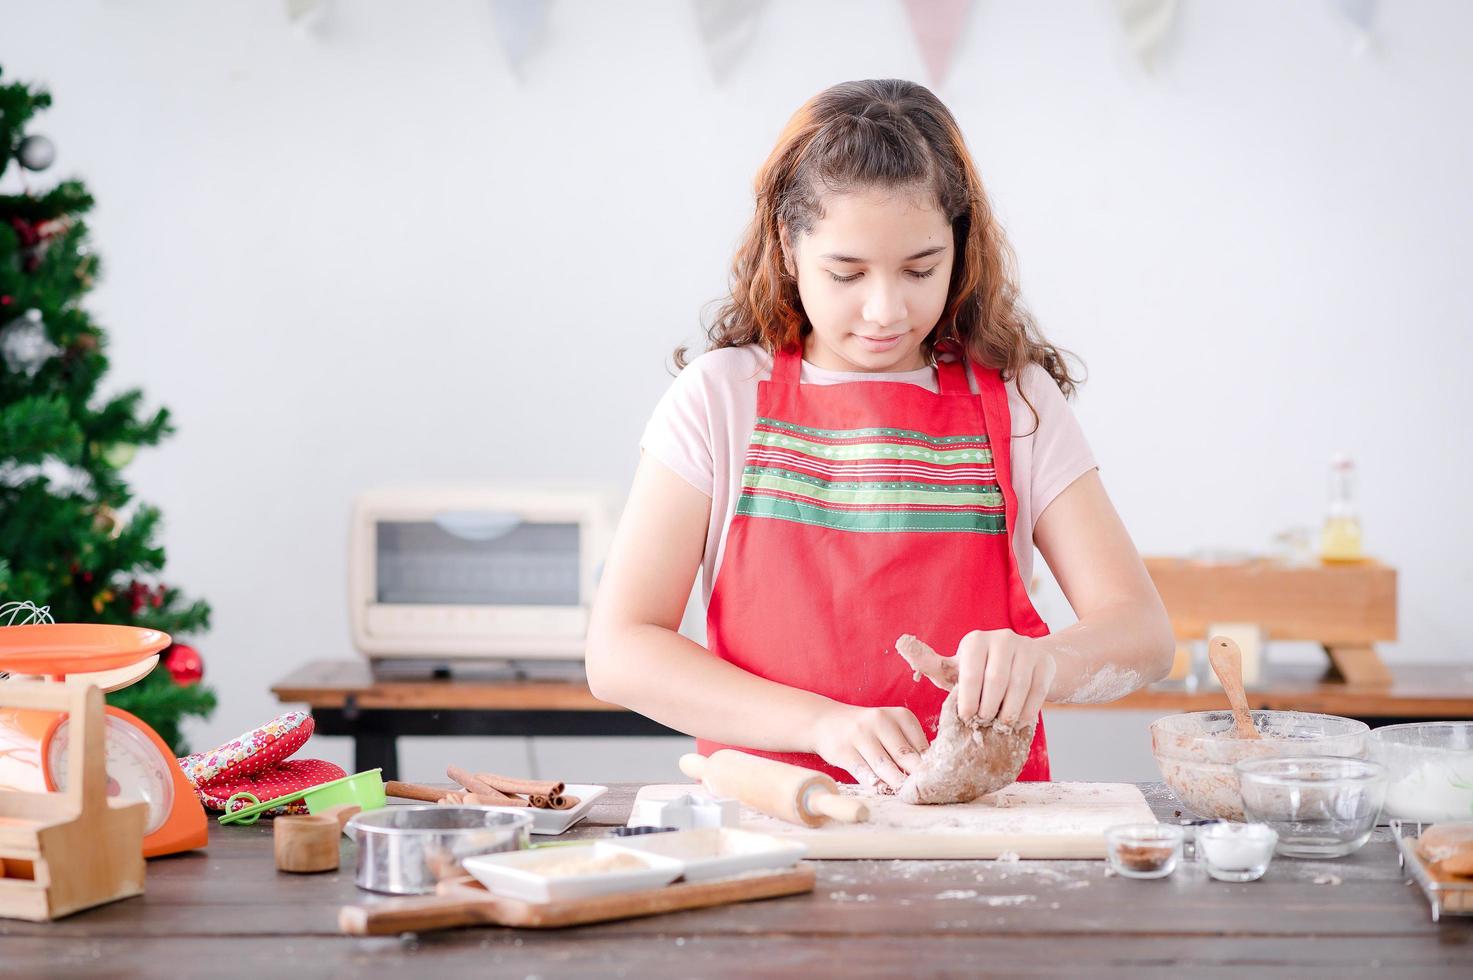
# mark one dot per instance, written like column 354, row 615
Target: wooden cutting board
column 465, row 902
column 1031, row 820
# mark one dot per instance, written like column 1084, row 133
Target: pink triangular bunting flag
column 937, row 25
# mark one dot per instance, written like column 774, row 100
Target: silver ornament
column 36, row 153
column 25, row 346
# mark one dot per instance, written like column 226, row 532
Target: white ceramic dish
column 717, row 852
column 551, row 822
column 515, row 875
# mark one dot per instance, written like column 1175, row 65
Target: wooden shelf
column 1346, row 608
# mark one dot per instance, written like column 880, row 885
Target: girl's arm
column 1123, row 639
column 1121, row 642
column 636, row 658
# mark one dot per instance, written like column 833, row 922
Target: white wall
column 377, row 256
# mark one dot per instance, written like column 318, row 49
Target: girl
column 872, row 446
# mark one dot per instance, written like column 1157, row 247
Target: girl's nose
column 885, row 304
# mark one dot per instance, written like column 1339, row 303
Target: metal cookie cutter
column 686, row 812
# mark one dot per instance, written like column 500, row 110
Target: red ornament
column 137, row 593
column 27, row 231
column 184, row 664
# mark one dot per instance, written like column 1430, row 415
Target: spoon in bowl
column 1227, row 664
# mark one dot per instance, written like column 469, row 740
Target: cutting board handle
column 414, row 915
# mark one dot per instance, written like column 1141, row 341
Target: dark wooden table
column 346, row 699
column 227, row 912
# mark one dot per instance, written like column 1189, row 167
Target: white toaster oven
column 465, row 573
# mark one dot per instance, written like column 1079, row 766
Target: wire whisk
column 27, row 613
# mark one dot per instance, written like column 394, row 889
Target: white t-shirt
column 701, row 427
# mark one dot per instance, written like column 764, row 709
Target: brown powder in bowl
column 1144, row 857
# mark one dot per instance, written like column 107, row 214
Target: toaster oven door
column 478, row 558
column 477, row 583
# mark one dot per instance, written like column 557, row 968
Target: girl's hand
column 875, row 745
column 1002, row 677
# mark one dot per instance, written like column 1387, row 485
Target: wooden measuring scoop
column 308, row 843
column 1227, row 664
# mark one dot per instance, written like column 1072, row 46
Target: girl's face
column 873, row 274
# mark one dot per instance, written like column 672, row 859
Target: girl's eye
column 913, row 273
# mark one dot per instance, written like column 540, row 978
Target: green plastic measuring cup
column 363, row 788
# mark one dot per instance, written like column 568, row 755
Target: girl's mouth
column 879, row 343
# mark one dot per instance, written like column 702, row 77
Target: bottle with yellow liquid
column 1340, row 539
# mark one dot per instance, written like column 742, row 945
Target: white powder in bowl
column 1433, row 791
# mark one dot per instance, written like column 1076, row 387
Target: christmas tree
column 71, row 536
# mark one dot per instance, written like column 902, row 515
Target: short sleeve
column 1061, row 454
column 679, row 432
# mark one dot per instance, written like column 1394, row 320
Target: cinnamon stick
column 525, row 787
column 412, row 791
column 474, row 785
column 497, row 800
column 476, row 799
column 565, row 802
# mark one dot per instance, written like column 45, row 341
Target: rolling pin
column 778, row 789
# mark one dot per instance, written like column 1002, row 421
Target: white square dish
column 556, row 821
column 718, row 852
column 516, row 874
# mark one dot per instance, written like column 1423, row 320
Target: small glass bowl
column 1144, row 850
column 1320, row 806
column 1236, row 851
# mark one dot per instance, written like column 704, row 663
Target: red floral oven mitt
column 257, row 763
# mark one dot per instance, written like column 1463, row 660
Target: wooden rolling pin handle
column 411, row 915
column 693, row 764
column 845, row 809
column 413, row 791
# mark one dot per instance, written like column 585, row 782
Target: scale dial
column 135, row 769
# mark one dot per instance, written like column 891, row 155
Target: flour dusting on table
column 1022, row 808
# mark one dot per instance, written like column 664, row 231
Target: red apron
column 868, row 510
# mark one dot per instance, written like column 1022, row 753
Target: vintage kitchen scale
column 64, row 852
column 35, row 743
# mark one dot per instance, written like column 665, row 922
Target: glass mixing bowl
column 1321, row 806
column 1197, row 751
column 1430, row 767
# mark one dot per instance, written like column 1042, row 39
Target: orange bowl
column 74, row 648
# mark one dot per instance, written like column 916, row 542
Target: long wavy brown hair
column 890, row 134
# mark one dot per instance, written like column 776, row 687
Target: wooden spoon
column 1227, row 664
